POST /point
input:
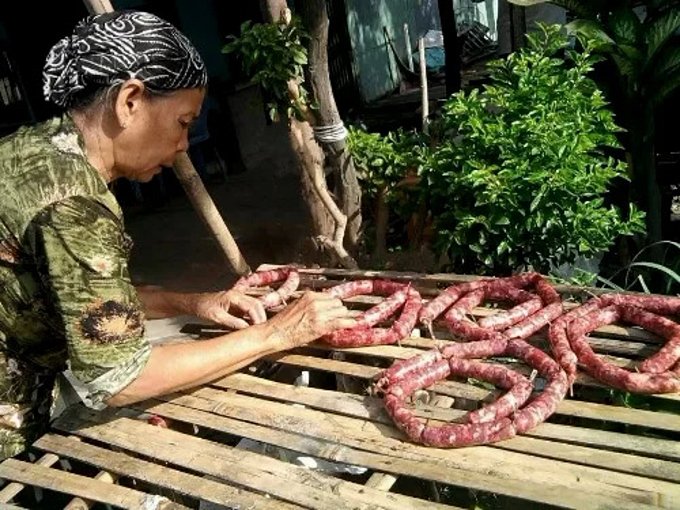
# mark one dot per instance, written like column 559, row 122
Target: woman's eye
column 184, row 123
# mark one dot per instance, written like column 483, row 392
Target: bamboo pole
column 204, row 205
column 409, row 51
column 194, row 188
column 98, row 6
column 423, row 83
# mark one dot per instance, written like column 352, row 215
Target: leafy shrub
column 388, row 167
column 520, row 177
column 384, row 161
column 272, row 54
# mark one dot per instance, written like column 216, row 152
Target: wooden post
column 452, row 63
column 200, row 199
column 98, row 6
column 423, row 83
column 194, row 188
column 491, row 18
column 518, row 26
column 409, row 51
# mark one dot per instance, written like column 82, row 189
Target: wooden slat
column 157, row 474
column 12, row 489
column 433, row 279
column 439, row 464
column 242, row 406
column 412, row 347
column 69, row 483
column 291, row 483
column 85, row 504
column 652, row 420
column 372, row 408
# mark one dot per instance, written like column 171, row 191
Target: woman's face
column 156, row 133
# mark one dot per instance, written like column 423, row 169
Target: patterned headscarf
column 107, row 49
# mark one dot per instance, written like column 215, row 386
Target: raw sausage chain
column 660, row 373
column 501, row 334
column 399, row 296
column 535, row 304
column 288, row 275
column 514, row 413
column 530, row 313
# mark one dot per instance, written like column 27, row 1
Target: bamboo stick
column 423, row 83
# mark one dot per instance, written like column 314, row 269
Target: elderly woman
column 131, row 85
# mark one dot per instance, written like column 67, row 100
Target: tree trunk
column 645, row 187
column 518, row 26
column 272, row 10
column 347, row 190
column 328, row 221
column 451, row 47
column 382, row 218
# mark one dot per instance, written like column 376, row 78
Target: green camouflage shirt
column 66, row 300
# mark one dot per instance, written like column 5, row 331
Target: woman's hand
column 228, row 308
column 313, row 315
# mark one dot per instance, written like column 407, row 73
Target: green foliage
column 388, row 165
column 644, row 47
column 384, row 161
column 520, row 178
column 273, row 54
column 638, row 275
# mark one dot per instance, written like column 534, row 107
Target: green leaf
column 610, row 284
column 666, row 61
column 300, row 58
column 537, row 199
column 503, row 247
column 517, row 169
column 625, row 25
column 642, row 283
column 661, row 30
column 667, row 86
column 659, row 267
column 626, row 68
column 591, row 31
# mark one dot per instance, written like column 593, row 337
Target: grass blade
column 610, row 284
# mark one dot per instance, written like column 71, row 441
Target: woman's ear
column 129, row 102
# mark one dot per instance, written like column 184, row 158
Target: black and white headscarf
column 107, row 49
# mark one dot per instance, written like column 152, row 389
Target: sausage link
column 535, row 322
column 277, row 297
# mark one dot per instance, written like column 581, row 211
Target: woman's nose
column 183, row 145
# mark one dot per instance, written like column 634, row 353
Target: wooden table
column 592, row 453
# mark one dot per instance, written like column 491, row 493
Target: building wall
column 377, row 71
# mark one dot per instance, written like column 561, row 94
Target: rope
column 330, row 134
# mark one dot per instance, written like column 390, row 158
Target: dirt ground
column 173, row 248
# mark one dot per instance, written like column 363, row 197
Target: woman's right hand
column 314, row 315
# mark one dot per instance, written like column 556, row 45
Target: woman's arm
column 219, row 307
column 160, row 304
column 179, row 366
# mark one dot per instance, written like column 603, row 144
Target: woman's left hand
column 228, row 308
